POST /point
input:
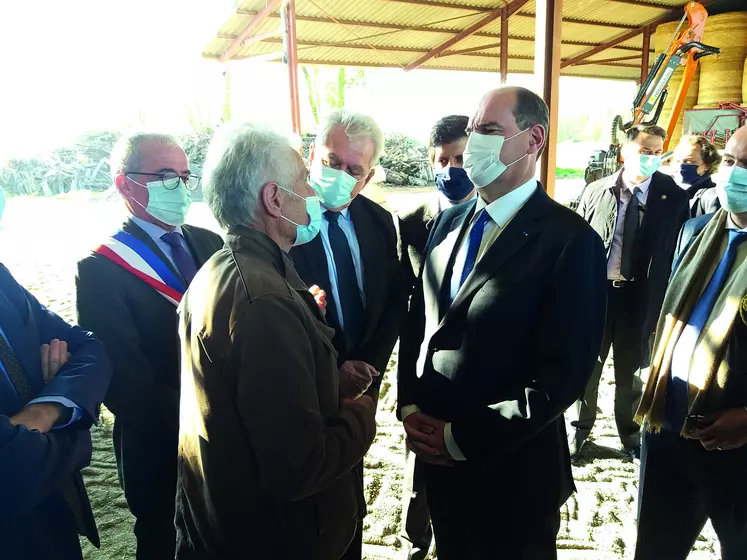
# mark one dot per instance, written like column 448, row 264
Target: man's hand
column 728, row 431
column 355, row 378
column 53, row 356
column 365, row 401
column 320, row 296
column 41, row 416
column 425, row 436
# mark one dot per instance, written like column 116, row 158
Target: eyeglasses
column 190, row 181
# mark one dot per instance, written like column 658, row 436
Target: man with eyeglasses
column 354, row 259
column 127, row 292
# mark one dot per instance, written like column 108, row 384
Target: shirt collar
column 731, row 225
column 643, row 186
column 446, row 203
column 154, row 231
column 506, row 207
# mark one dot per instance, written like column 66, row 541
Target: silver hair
column 126, row 155
column 357, row 126
column 242, row 159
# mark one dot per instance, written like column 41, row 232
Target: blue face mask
column 454, row 183
column 731, row 188
column 689, row 173
column 307, row 232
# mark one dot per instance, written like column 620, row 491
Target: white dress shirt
column 501, row 212
column 614, row 261
column 346, row 225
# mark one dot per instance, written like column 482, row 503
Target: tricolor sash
column 136, row 257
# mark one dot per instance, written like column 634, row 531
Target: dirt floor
column 40, row 241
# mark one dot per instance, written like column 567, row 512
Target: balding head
column 521, row 117
column 735, row 152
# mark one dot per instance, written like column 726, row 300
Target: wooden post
column 645, row 52
column 547, row 73
column 504, row 45
column 292, row 61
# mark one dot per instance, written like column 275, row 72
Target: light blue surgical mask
column 334, row 187
column 644, row 165
column 731, row 188
column 168, row 201
column 307, row 232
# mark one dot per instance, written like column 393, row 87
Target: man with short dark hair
column 497, row 347
column 446, row 148
column 446, row 145
column 638, row 213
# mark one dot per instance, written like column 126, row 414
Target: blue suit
column 36, row 518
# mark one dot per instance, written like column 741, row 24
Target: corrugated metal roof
column 395, row 33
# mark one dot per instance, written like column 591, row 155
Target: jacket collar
column 244, row 239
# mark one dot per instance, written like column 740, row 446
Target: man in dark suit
column 53, row 377
column 694, row 408
column 638, row 213
column 127, row 292
column 354, row 259
column 496, row 345
column 446, row 146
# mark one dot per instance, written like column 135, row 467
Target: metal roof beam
column 672, row 15
column 258, row 18
column 644, row 4
column 397, row 27
column 610, row 60
column 487, row 9
column 510, row 9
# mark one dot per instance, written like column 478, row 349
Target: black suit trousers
column 682, row 486
column 416, row 519
column 476, row 517
column 147, row 467
column 623, row 331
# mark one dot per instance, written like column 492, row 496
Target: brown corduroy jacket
column 265, row 449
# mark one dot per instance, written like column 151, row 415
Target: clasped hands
column 43, row 416
column 426, row 438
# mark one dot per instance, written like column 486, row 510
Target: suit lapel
column 373, row 286
column 440, row 259
column 21, row 333
column 519, row 231
column 195, row 246
column 133, row 229
column 310, row 262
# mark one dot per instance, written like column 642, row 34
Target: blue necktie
column 677, row 405
column 473, row 245
column 182, row 258
column 347, row 282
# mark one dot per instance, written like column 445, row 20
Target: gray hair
column 531, row 110
column 357, row 126
column 242, row 159
column 126, row 155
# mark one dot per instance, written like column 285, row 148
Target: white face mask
column 482, row 160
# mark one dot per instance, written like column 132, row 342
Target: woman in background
column 698, row 160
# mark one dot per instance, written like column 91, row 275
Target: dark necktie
column 630, row 230
column 182, row 258
column 688, row 340
column 473, row 245
column 15, row 371
column 347, row 282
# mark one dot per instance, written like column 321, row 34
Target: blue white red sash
column 135, row 256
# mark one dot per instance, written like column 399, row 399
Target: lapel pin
column 663, row 197
column 526, row 234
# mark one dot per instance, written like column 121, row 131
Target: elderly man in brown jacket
column 267, row 444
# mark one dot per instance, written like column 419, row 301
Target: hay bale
column 744, row 83
column 721, row 73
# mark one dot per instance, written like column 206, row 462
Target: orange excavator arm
column 684, row 49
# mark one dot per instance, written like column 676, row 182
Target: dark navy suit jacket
column 36, row 520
